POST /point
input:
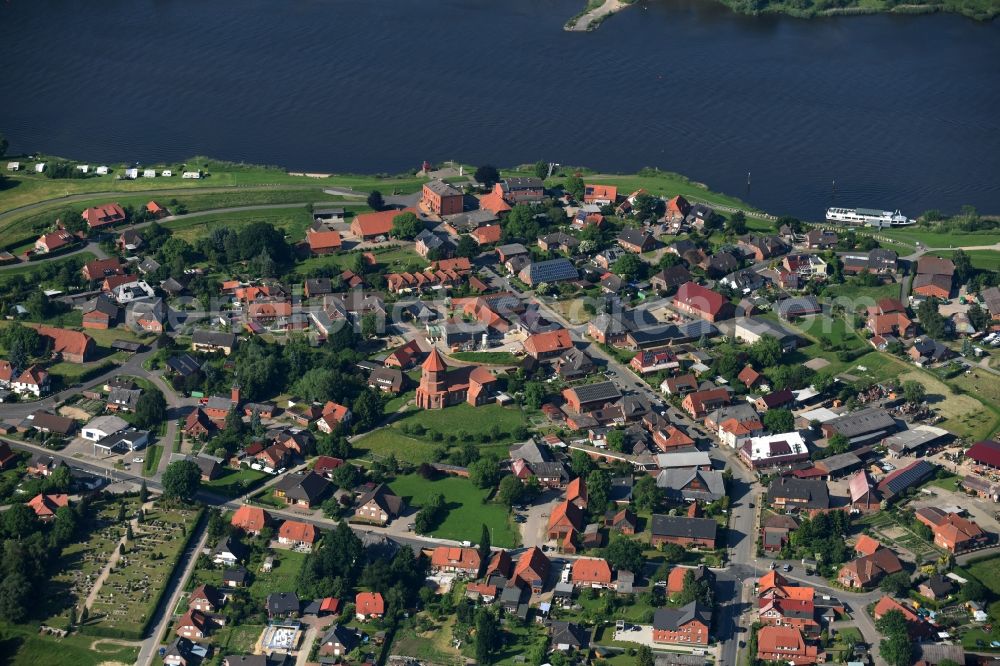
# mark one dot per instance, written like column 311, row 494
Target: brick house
column 689, row 625
column 440, row 198
column 591, row 572
column 701, row 302
column 683, row 531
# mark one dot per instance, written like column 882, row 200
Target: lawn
column 856, row 293
column 394, row 404
column 467, row 509
column 282, row 578
column 152, row 456
column 986, row 571
column 445, row 427
column 965, row 414
column 22, row 645
column 30, row 188
column 293, row 220
column 26, row 270
column 233, row 483
column 982, row 259
column 939, row 239
column 397, row 258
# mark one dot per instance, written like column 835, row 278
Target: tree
column 366, row 410
column 737, row 223
column 534, row 394
column 485, row 472
column 694, row 590
column 15, row 596
column 485, row 544
column 963, row 266
column 616, row 440
column 466, row 247
column 895, row 647
column 430, row 515
column 895, row 584
column 973, row 590
column 779, row 420
column 625, row 553
column 766, row 351
column 510, row 491
column 581, row 463
column 598, row 488
column 150, row 408
column 931, row 319
column 19, row 521
column 369, row 325
column 143, row 492
column 487, row 635
column 541, row 169
column 914, row 392
column 574, row 186
column 181, row 480
column 406, row 226
column 646, row 494
column 487, row 175
column 375, row 200
column 630, row 267
column 644, row 656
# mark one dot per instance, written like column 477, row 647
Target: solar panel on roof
column 909, row 476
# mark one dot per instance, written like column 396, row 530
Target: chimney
column 236, row 394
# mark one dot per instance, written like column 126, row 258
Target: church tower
column 433, row 390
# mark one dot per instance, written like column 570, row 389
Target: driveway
column 533, row 530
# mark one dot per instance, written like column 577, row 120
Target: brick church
column 441, row 387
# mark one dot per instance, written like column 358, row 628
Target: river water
column 902, row 112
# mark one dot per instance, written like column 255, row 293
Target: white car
column 138, row 459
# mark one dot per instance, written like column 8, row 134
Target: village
column 503, row 418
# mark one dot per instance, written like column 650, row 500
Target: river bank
column 597, row 11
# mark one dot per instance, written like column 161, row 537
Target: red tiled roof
column 550, row 341
column 250, row 518
column 293, row 530
column 699, row 298
column 65, row 341
column 323, row 240
column 369, row 603
column 377, row 224
column 591, row 570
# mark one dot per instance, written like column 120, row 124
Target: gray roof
column 673, row 619
column 682, row 526
column 531, row 452
column 552, row 270
column 805, row 493
column 863, row 422
column 308, row 487
column 442, row 188
column 709, row 484
column 568, row 633
column 343, row 635
column 214, row 338
column 606, row 391
column 763, row 327
column 281, row 603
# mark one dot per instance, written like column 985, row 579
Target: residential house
column 698, row 301
column 951, row 531
column 298, row 535
column 282, row 605
column 250, row 519
column 688, row 625
column 785, row 645
column 379, row 505
column 369, row 606
column 467, row 562
column 683, row 531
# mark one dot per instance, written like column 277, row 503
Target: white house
column 13, row 166
column 102, row 171
column 132, row 291
column 83, row 168
column 124, row 440
column 149, row 173
column 34, row 380
column 166, row 173
column 191, row 174
column 40, row 167
column 131, row 174
column 102, row 426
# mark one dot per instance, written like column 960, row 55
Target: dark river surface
column 903, row 112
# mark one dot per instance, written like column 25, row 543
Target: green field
column 395, row 259
column 988, row 260
column 293, row 220
column 22, row 645
column 858, row 293
column 26, row 269
column 987, row 571
column 233, row 483
column 942, row 239
column 30, row 188
column 467, row 512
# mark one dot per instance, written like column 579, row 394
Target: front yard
column 467, row 509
